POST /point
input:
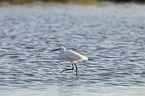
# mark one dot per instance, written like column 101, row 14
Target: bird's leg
column 76, row 69
column 68, row 69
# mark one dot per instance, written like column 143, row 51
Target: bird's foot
column 62, row 71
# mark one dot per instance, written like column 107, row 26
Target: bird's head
column 61, row 48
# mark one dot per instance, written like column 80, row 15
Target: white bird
column 70, row 56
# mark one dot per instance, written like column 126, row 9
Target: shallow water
column 112, row 36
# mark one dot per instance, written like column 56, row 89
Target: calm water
column 112, row 36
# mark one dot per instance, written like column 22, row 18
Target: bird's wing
column 71, row 55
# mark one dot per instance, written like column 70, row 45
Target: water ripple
column 111, row 37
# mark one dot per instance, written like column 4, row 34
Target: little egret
column 70, row 56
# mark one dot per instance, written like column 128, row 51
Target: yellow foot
column 62, row 71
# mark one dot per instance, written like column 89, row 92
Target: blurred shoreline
column 67, row 1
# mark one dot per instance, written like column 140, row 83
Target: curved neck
column 62, row 50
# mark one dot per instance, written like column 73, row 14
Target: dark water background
column 111, row 35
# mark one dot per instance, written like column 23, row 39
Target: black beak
column 55, row 49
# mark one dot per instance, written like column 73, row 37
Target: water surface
column 112, row 36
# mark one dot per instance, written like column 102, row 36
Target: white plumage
column 71, row 55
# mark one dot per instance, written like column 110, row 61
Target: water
column 112, row 36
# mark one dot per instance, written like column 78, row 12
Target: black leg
column 76, row 69
column 68, row 69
